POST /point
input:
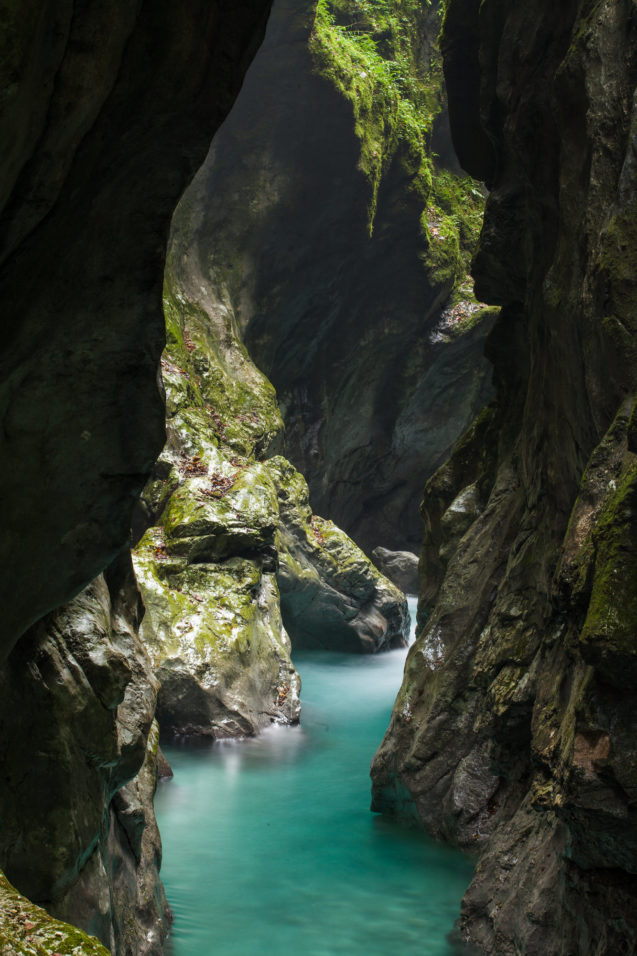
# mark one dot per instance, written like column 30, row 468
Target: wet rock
column 332, row 596
column 206, row 564
column 107, row 111
column 401, row 567
column 340, row 250
column 164, row 770
column 229, row 551
column 220, row 652
column 88, row 733
column 28, row 930
column 513, row 734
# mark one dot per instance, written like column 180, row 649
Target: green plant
column 371, row 51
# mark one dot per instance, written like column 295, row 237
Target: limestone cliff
column 340, row 247
column 106, row 111
column 79, row 833
column 231, row 557
column 514, row 731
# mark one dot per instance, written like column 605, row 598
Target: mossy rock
column 331, row 594
column 28, row 930
column 214, row 633
column 211, row 383
column 609, row 636
column 221, row 513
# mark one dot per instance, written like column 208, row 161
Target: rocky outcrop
column 234, row 559
column 513, row 734
column 207, row 563
column 79, row 833
column 340, row 250
column 214, row 631
column 332, row 596
column 401, row 567
column 106, row 112
column 28, row 930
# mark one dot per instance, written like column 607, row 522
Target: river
column 269, row 845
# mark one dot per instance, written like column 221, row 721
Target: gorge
column 347, row 287
column 286, row 820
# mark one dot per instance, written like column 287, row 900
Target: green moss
column 460, row 201
column 220, row 513
column 28, row 930
column 371, row 51
column 609, row 635
column 197, row 611
column 212, row 387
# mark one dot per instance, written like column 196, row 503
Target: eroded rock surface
column 76, row 796
column 321, row 224
column 28, row 930
column 234, row 559
column 332, row 596
column 401, row 567
column 106, row 111
column 514, row 731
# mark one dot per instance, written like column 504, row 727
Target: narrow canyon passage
column 269, row 845
column 394, row 305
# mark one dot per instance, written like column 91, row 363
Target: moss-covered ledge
column 28, row 929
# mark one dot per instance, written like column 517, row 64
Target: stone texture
column 401, row 567
column 229, row 551
column 513, row 734
column 76, row 796
column 107, row 111
column 28, row 930
column 368, row 330
column 207, row 519
column 332, row 596
column 220, row 651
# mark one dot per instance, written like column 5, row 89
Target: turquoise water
column 269, row 845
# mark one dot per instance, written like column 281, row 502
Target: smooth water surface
column 269, row 845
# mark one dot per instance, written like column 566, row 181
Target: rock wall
column 230, row 558
column 106, row 111
column 79, row 833
column 341, row 250
column 513, row 733
column 107, row 114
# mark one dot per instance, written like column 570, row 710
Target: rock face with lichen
column 28, row 930
column 514, row 732
column 231, row 558
column 106, row 111
column 332, row 596
column 321, row 224
column 79, row 833
column 206, row 560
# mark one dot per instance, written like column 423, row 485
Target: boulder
column 401, row 567
column 332, row 596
